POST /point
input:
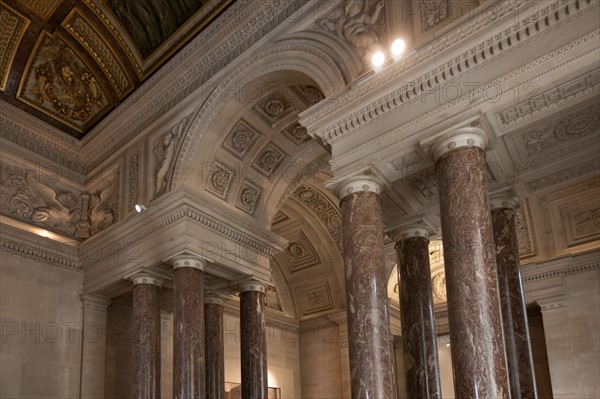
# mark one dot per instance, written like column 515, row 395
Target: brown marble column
column 188, row 328
column 369, row 338
column 214, row 347
column 475, row 322
column 416, row 313
column 253, row 340
column 146, row 336
column 514, row 314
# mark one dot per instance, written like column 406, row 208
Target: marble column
column 512, row 298
column 416, row 313
column 214, row 347
column 369, row 337
column 146, row 336
column 478, row 357
column 253, row 340
column 93, row 345
column 188, row 329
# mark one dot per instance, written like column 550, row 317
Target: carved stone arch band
column 289, row 56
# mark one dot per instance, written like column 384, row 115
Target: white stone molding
column 529, row 26
column 187, row 260
column 253, row 285
column 355, row 184
column 20, row 242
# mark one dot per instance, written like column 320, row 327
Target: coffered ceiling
column 70, row 62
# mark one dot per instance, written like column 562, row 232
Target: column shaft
column 146, row 341
column 253, row 345
column 514, row 314
column 188, row 340
column 215, row 351
column 369, row 338
column 417, row 319
column 478, row 357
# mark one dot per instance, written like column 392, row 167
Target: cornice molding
column 561, row 267
column 22, row 129
column 496, row 45
column 28, row 245
column 349, row 159
column 184, row 205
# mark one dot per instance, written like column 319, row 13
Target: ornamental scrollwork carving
column 438, row 286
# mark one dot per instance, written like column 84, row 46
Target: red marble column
column 478, row 357
column 188, row 328
column 214, row 347
column 369, row 338
column 253, row 340
column 416, row 313
column 146, row 336
column 514, row 314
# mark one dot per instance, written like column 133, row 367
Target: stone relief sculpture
column 26, row 196
column 59, row 208
column 356, row 23
column 164, row 153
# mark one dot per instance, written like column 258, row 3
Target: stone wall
column 41, row 329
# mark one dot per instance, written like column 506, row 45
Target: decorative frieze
column 12, row 28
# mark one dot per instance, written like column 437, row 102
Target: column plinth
column 253, row 340
column 369, row 340
column 188, row 335
column 214, row 347
column 416, row 313
column 476, row 335
column 146, row 336
column 514, row 314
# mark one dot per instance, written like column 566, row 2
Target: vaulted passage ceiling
column 70, row 62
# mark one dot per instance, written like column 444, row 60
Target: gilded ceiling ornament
column 12, row 28
column 58, row 83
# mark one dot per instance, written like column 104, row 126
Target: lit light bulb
column 140, row 208
column 378, row 60
column 398, row 47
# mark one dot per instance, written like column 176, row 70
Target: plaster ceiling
column 69, row 62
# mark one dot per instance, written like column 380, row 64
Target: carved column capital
column 356, row 184
column 466, row 136
column 504, row 199
column 253, row 285
column 188, row 260
column 213, row 298
column 146, row 277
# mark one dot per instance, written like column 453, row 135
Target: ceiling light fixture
column 140, row 208
column 398, row 48
column 378, row 60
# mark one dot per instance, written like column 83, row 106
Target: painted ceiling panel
column 69, row 63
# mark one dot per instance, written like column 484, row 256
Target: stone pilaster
column 512, row 298
column 214, row 347
column 369, row 339
column 416, row 313
column 253, row 340
column 188, row 334
column 478, row 357
column 146, row 335
column 93, row 345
